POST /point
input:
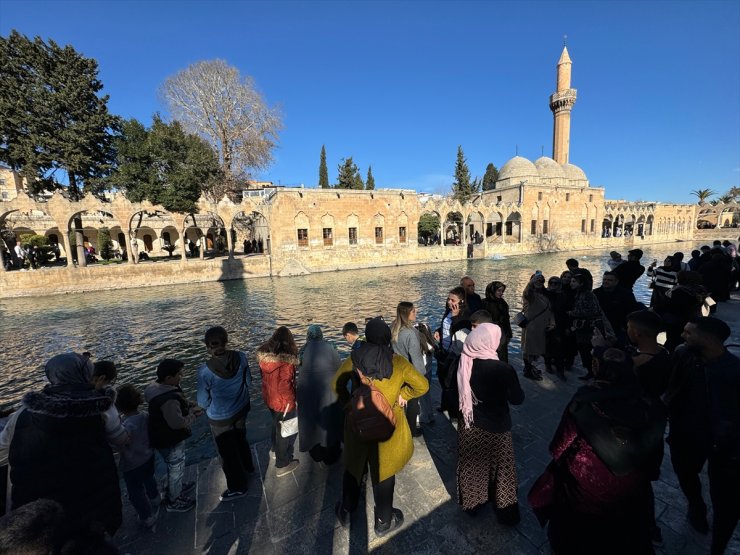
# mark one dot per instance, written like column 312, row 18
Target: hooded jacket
column 278, row 380
column 223, row 386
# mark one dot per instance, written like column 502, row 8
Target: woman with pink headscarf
column 485, row 461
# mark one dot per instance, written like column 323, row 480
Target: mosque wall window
column 402, row 234
column 583, row 226
column 498, row 198
column 590, row 198
column 302, row 237
column 509, row 228
column 379, row 235
column 539, row 196
column 567, row 197
column 545, row 227
column 533, row 231
column 352, row 235
column 593, row 225
column 328, row 236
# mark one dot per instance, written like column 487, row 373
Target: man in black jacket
column 616, row 302
column 630, row 271
column 703, row 401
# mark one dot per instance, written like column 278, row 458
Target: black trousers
column 327, row 455
column 233, row 449
column 283, row 446
column 688, row 459
column 412, row 411
column 382, row 493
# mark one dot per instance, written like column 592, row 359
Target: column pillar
column 230, row 243
column 68, row 247
column 202, row 241
column 133, row 248
column 184, row 243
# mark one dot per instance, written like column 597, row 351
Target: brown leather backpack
column 370, row 415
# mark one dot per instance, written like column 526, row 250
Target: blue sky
column 399, row 85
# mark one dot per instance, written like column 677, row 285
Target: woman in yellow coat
column 398, row 380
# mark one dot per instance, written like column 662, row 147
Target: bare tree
column 211, row 98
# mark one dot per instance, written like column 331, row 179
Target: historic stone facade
column 537, row 206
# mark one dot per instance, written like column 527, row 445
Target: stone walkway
column 295, row 513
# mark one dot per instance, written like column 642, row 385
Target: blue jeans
column 174, row 457
column 142, row 487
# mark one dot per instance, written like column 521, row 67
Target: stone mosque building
column 538, row 206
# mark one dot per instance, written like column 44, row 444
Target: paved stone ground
column 295, row 513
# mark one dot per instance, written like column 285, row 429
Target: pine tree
column 349, row 175
column 461, row 188
column 323, row 171
column 52, row 119
column 490, row 177
column 370, row 182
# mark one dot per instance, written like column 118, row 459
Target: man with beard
column 703, row 399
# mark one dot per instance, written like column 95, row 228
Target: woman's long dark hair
column 281, row 343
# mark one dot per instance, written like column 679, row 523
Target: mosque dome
column 549, row 168
column 518, row 168
column 574, row 173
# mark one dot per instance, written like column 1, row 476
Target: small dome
column 518, row 168
column 549, row 168
column 574, row 173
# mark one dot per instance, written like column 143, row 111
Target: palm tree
column 703, row 194
column 727, row 198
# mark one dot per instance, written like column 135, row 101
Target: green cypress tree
column 461, row 188
column 490, row 177
column 370, row 182
column 323, row 171
column 349, row 175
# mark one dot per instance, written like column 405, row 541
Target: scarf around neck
column 481, row 343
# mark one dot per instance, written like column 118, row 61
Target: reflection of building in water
column 547, row 204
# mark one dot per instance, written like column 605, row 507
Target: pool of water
column 138, row 327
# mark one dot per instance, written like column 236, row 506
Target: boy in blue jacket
column 223, row 392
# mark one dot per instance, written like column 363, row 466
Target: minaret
column 561, row 103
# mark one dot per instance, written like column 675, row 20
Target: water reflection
column 139, row 327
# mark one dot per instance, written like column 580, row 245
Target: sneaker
column 180, row 505
column 229, row 495
column 282, row 471
column 187, row 487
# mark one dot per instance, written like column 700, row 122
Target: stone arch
column 494, row 225
column 513, row 226
column 428, row 230
column 250, row 232
column 452, row 228
column 327, row 230
column 475, row 227
column 649, row 221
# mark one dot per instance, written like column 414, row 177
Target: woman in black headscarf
column 57, row 446
column 397, row 379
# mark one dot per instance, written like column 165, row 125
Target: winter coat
column 319, row 413
column 278, row 380
column 170, row 415
column 386, row 458
column 224, row 389
column 536, row 307
column 59, row 451
column 409, row 347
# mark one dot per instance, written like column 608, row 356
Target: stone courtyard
column 295, row 513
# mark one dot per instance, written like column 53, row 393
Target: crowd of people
column 595, row 496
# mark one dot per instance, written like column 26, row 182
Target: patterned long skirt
column 485, row 466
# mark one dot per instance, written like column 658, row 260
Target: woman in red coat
column 278, row 359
